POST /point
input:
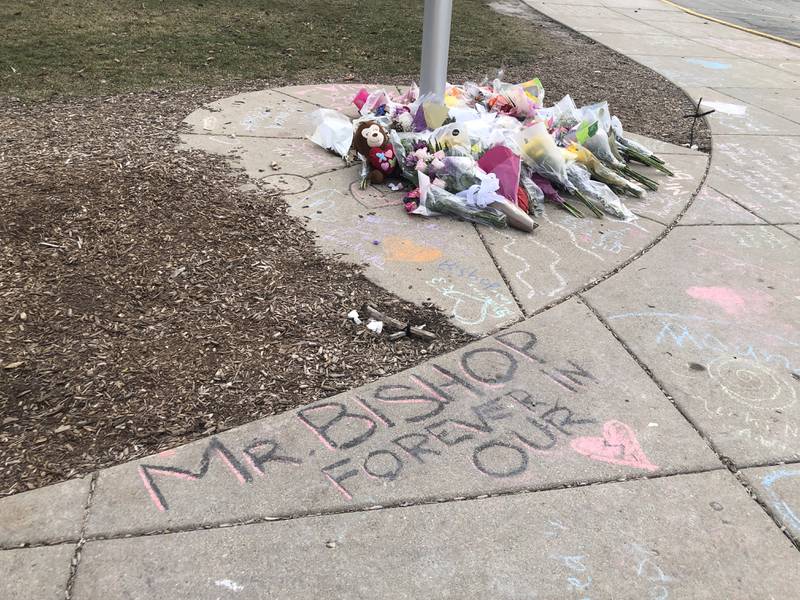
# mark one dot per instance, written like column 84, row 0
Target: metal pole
column 435, row 46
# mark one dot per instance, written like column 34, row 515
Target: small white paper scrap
column 376, row 326
column 738, row 110
column 229, row 584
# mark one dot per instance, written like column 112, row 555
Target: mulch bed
column 146, row 300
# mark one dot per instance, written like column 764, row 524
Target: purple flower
column 547, row 188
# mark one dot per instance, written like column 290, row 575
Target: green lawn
column 88, row 47
column 103, row 47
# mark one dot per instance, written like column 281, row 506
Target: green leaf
column 586, row 130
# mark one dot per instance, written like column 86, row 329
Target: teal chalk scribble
column 777, row 502
column 709, row 64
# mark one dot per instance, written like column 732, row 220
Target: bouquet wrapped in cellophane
column 441, row 159
column 493, row 153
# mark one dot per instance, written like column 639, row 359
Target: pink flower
column 421, row 154
column 438, row 182
column 437, row 164
column 421, row 166
column 439, row 154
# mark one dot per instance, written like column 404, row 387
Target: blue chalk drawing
column 696, row 335
column 709, row 64
column 778, row 503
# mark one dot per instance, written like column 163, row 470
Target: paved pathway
column 775, row 17
column 637, row 436
column 484, row 278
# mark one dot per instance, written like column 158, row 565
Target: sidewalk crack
column 76, row 556
column 421, row 502
column 721, row 457
column 729, row 463
column 500, row 270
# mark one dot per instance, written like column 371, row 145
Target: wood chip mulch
column 146, row 301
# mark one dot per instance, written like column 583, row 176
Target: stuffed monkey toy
column 372, row 142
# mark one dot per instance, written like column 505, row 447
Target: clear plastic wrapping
column 598, row 192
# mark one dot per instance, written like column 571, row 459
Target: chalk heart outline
column 617, row 446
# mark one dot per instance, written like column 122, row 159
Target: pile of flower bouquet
column 492, row 153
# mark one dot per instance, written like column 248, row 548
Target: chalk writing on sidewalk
column 472, row 410
column 745, row 373
column 788, row 511
column 574, row 561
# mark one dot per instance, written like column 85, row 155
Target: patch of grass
column 89, row 47
column 107, row 47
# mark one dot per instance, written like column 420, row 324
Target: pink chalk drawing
column 339, row 487
column 618, row 446
column 733, row 302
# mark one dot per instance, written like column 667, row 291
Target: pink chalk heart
column 733, row 302
column 727, row 299
column 618, row 446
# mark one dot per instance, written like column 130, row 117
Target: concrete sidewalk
column 630, row 429
column 484, row 278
